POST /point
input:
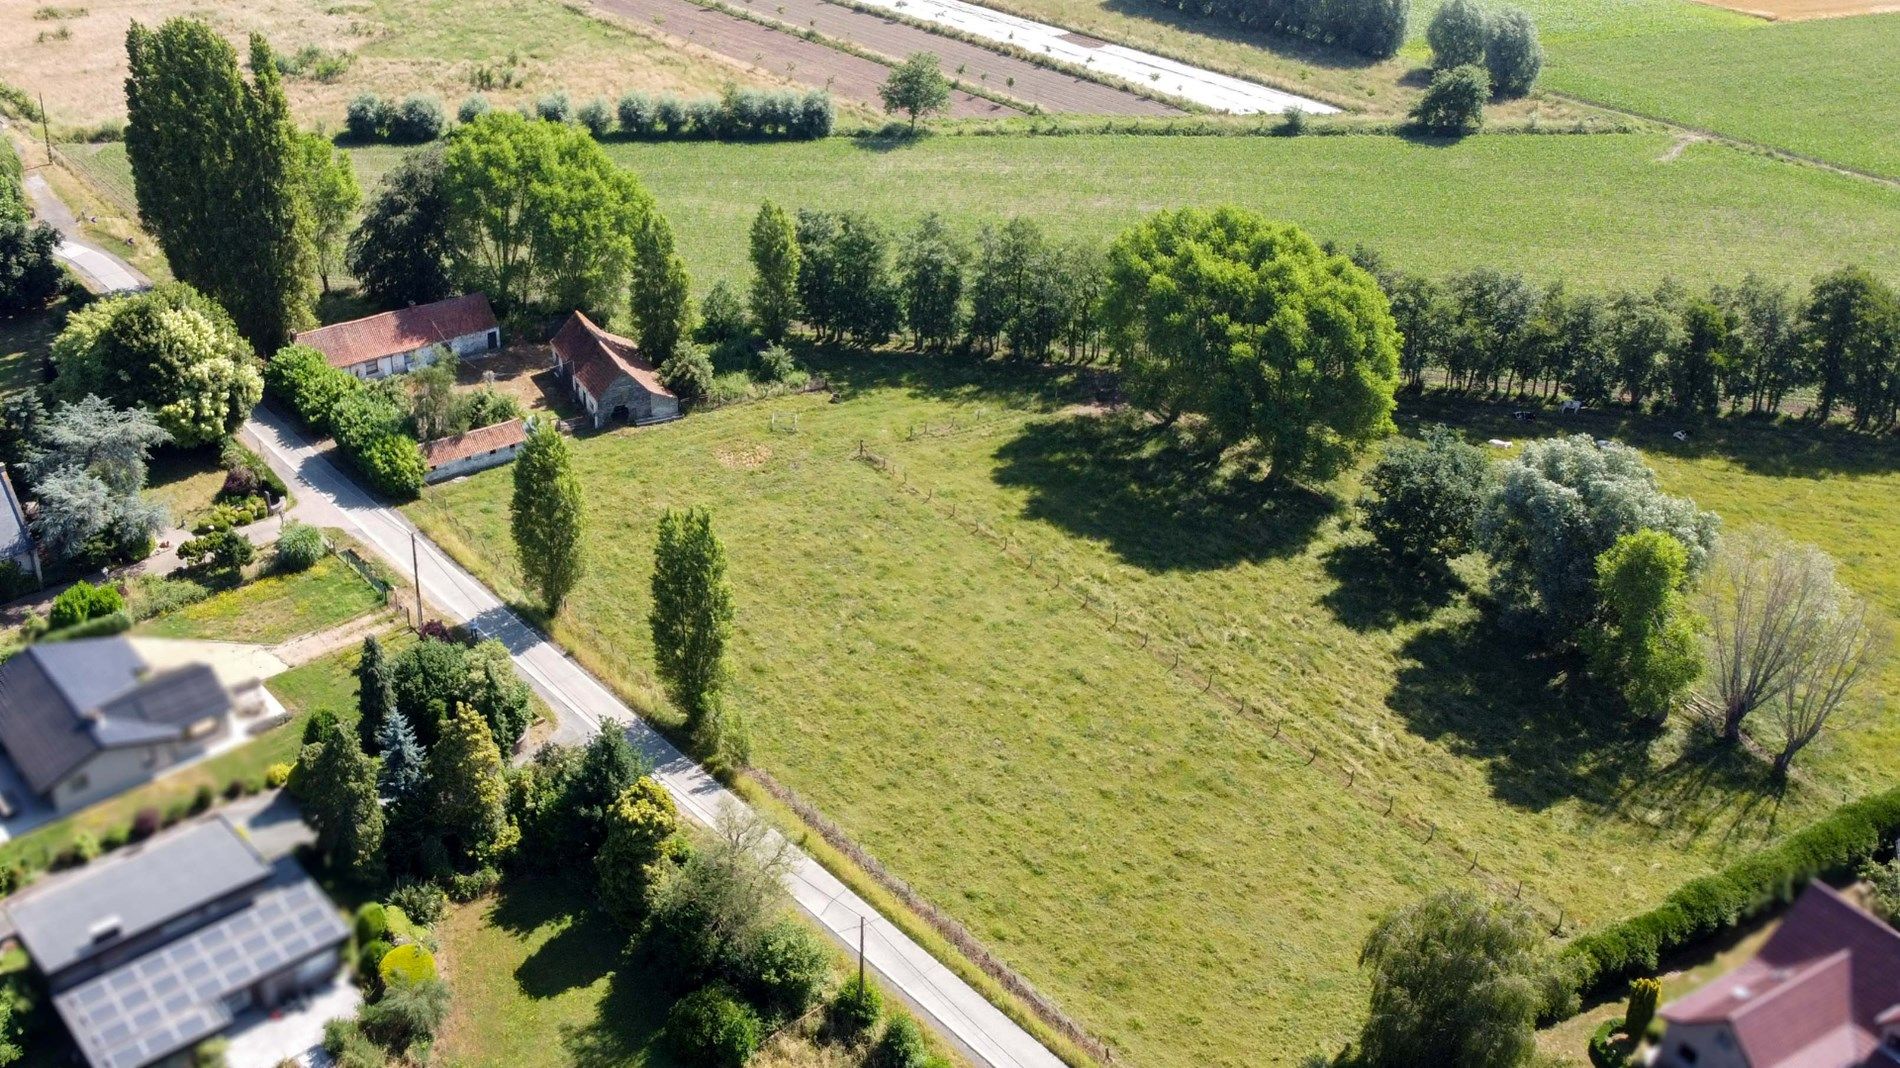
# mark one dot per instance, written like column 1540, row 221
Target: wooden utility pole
column 46, row 133
column 860, row 954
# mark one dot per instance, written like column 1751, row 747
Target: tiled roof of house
column 475, row 442
column 597, row 357
column 1815, row 993
column 403, row 330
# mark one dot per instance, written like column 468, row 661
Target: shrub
column 303, row 380
column 705, row 118
column 422, row 902
column 372, row 924
column 784, row 970
column 83, row 601
column 349, row 1047
column 1512, row 53
column 367, row 118
column 688, row 372
column 155, row 595
column 1421, row 499
column 1645, row 993
column 218, row 551
column 369, row 960
column 467, row 887
column 277, row 775
column 1604, row 1049
column 815, row 116
column 144, row 823
column 554, row 107
column 114, row 838
column 1454, row 102
column 85, row 847
column 597, row 117
column 901, row 1046
column 299, row 547
column 114, row 623
column 670, row 113
column 392, row 463
column 473, row 108
column 712, row 1028
column 637, row 114
column 419, row 119
column 1883, row 889
column 856, row 1007
column 406, row 964
column 202, row 798
column 722, row 315
column 407, row 1013
column 1456, row 34
column 775, row 364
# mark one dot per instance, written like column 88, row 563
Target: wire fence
column 1131, row 625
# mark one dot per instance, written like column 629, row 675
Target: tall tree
column 399, row 253
column 400, row 775
column 1422, row 498
column 1512, row 53
column 338, row 789
column 608, row 766
column 1848, row 334
column 930, row 270
column 1457, row 34
column 820, row 300
column 643, row 829
column 661, row 294
column 1644, row 642
column 868, row 309
column 916, row 87
column 547, row 517
column 1247, row 323
column 87, row 468
column 1456, row 982
column 332, row 196
column 774, row 271
column 375, row 693
column 1841, row 650
column 170, row 351
column 29, row 270
column 219, row 175
column 691, row 616
column 538, row 216
column 468, row 792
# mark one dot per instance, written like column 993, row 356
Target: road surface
column 103, row 271
column 583, row 705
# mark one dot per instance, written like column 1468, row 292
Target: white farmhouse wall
column 470, row 464
column 479, row 343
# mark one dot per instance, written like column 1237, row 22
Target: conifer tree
column 375, row 693
column 401, row 772
column 339, row 794
column 467, row 791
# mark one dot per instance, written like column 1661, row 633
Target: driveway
column 583, row 705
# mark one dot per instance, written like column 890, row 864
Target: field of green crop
column 1828, row 88
column 1080, row 783
column 1599, row 210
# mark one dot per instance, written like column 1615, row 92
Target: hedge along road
column 786, row 54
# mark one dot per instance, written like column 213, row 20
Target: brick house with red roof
column 1822, row 992
column 474, row 450
column 609, row 377
column 402, row 340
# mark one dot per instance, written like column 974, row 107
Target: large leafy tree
column 547, row 518
column 1850, row 331
column 1249, row 325
column 1457, row 34
column 1562, row 504
column 467, row 791
column 172, row 351
column 337, row 784
column 691, row 617
column 916, row 87
column 219, row 175
column 538, row 216
column 930, row 268
column 1512, row 53
column 774, row 271
column 331, row 196
column 1644, row 642
column 399, row 253
column 29, row 271
column 1456, row 982
column 1422, row 498
column 643, row 829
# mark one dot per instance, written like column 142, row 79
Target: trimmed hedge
column 1745, row 889
column 369, row 426
column 102, row 626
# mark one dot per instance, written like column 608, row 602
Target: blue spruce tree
column 401, row 772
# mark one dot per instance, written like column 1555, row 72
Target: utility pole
column 415, row 566
column 45, row 133
column 860, row 954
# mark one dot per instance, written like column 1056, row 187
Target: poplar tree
column 219, row 176
column 660, row 294
column 546, row 515
column 691, row 617
column 775, row 271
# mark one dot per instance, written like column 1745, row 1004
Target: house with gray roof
column 166, row 943
column 83, row 720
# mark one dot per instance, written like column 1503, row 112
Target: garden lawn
column 24, row 341
column 1827, row 88
column 274, row 607
column 1173, row 870
column 326, row 683
column 1600, row 210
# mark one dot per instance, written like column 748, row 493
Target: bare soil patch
column 524, row 372
column 743, row 457
column 1798, row 10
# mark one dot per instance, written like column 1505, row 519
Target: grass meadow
column 1600, row 210
column 1827, row 88
column 273, row 607
column 915, row 655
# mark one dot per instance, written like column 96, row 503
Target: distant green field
column 963, row 715
column 1600, row 210
column 1828, row 88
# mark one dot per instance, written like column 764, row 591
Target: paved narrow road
column 583, row 705
column 106, row 272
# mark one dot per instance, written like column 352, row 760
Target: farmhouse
column 1823, row 992
column 164, row 944
column 609, row 377
column 476, row 450
column 401, row 340
column 83, row 720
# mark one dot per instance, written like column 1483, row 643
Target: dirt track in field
column 1798, row 10
column 779, row 52
column 785, row 52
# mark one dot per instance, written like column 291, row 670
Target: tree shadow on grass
column 1709, row 789
column 853, row 371
column 1154, row 502
column 1311, row 53
column 1374, row 592
column 629, row 1026
column 585, row 947
column 1491, row 693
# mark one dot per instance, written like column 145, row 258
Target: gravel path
column 788, row 54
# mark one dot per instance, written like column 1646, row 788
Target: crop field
column 1028, row 624
column 1599, row 210
column 522, row 49
column 1828, row 88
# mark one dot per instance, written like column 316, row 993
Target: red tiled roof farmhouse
column 596, row 355
column 402, row 330
column 474, row 443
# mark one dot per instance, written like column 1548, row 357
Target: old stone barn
column 609, row 377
